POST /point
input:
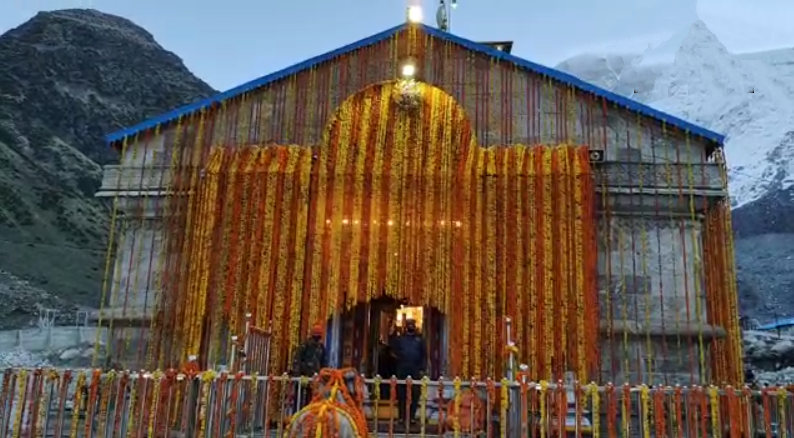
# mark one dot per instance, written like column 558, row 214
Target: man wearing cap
column 310, row 358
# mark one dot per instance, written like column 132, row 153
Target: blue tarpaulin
column 780, row 323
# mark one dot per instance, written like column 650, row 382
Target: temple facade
column 645, row 260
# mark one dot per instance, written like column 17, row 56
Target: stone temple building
column 599, row 226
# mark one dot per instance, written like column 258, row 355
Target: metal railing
column 57, row 403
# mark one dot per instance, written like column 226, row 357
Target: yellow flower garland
column 21, row 390
column 595, row 404
column 714, row 401
column 78, row 402
column 154, row 404
column 456, row 399
column 645, row 408
column 504, row 404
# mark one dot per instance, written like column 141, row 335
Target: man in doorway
column 309, row 359
column 411, row 353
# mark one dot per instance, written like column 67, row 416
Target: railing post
column 514, row 415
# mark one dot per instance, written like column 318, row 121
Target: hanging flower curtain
column 400, row 202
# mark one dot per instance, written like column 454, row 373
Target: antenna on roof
column 444, row 14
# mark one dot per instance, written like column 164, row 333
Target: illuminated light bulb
column 355, row 221
column 457, row 223
column 345, row 221
column 415, row 14
column 328, row 221
column 391, row 223
column 408, row 70
column 443, row 223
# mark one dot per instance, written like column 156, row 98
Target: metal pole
column 234, row 353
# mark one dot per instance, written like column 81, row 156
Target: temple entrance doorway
column 361, row 338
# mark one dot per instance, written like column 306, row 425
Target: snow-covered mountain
column 749, row 98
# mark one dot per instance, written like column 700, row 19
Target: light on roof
column 408, row 70
column 415, row 14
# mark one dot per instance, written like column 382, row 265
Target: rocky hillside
column 749, row 98
column 68, row 78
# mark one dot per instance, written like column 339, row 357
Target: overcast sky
column 228, row 42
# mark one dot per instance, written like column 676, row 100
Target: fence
column 49, row 403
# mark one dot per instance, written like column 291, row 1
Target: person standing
column 310, row 358
column 411, row 353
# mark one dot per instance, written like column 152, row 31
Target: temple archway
column 385, row 184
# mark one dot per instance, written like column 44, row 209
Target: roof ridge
column 557, row 75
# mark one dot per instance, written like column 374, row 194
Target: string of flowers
column 132, row 407
column 595, row 403
column 504, row 403
column 782, row 396
column 5, row 393
column 30, row 400
column 544, row 388
column 44, row 400
column 93, row 393
column 645, row 409
column 376, row 402
column 714, row 400
column 659, row 414
column 22, row 379
column 121, row 397
column 625, row 410
column 217, row 416
column 78, row 403
column 456, row 399
column 105, row 394
column 679, row 423
column 63, row 392
column 232, row 413
column 154, row 403
column 207, row 378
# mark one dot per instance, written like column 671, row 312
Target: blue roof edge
column 558, row 75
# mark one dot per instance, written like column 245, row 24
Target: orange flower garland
column 333, row 232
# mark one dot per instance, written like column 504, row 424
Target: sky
column 229, row 42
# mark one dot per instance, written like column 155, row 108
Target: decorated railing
column 49, row 403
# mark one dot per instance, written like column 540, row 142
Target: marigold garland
column 105, row 394
column 364, row 216
column 78, row 403
column 22, row 378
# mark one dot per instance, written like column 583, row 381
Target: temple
column 419, row 174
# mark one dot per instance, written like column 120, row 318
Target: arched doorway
column 361, row 337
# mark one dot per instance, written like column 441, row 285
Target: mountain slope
column 68, row 78
column 750, row 98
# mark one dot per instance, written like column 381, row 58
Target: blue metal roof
column 781, row 323
column 471, row 45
